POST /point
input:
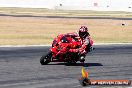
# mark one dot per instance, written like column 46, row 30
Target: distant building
column 105, row 5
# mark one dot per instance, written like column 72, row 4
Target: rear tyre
column 45, row 59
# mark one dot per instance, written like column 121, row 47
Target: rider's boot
column 82, row 58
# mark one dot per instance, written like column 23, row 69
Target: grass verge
column 37, row 31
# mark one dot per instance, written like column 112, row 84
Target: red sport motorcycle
column 59, row 52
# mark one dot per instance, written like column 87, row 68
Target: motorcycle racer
column 87, row 43
column 83, row 36
column 69, row 47
column 86, row 39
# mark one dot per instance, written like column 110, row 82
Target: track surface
column 20, row 67
column 114, row 18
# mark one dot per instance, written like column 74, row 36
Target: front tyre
column 45, row 59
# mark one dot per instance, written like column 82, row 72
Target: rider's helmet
column 83, row 32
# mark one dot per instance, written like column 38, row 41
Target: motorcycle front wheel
column 45, row 59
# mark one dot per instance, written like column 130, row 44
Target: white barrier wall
column 29, row 3
column 99, row 5
column 105, row 5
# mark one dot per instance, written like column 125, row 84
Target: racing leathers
column 85, row 47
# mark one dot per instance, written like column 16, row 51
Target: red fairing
column 69, row 42
column 54, row 51
column 59, row 47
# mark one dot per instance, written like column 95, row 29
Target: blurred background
column 100, row 5
column 37, row 22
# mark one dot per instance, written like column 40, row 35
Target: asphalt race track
column 20, row 67
column 86, row 17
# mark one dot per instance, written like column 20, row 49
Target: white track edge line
column 50, row 45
